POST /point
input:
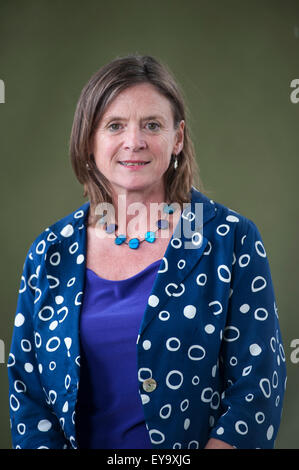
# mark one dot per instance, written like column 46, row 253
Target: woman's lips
column 136, row 165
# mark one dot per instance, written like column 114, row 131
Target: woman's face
column 137, row 126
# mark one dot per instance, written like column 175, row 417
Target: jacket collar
column 184, row 250
column 67, row 228
column 186, row 247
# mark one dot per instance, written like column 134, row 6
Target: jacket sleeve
column 252, row 358
column 33, row 425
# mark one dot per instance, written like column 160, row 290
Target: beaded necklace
column 149, row 236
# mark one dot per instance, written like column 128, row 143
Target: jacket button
column 149, row 385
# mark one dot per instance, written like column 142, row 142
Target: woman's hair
column 98, row 93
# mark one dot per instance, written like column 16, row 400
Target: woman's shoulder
column 64, row 228
column 222, row 215
column 227, row 226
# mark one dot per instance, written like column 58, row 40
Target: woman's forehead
column 143, row 99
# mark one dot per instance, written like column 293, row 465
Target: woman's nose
column 134, row 140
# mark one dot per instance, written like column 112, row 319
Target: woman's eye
column 113, row 128
column 153, row 126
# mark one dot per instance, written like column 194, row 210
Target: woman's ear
column 179, row 145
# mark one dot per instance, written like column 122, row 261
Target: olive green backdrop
column 234, row 60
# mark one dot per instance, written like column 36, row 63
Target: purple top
column 109, row 412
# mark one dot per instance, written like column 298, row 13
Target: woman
column 146, row 318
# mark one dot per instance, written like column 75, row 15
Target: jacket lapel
column 184, row 250
column 67, row 278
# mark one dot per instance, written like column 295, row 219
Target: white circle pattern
column 208, row 298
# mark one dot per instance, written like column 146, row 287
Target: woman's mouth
column 133, row 164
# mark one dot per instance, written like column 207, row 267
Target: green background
column 234, row 60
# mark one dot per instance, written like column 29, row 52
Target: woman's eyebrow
column 120, row 118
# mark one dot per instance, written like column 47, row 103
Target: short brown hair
column 95, row 97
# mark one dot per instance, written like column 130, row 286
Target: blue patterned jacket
column 209, row 336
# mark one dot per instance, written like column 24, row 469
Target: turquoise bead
column 120, row 239
column 150, row 237
column 162, row 224
column 168, row 209
column 134, row 243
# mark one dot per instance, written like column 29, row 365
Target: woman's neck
column 136, row 213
